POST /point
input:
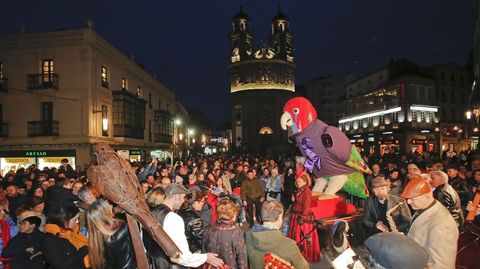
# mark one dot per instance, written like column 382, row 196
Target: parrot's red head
column 298, row 113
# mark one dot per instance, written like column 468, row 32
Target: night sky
column 185, row 42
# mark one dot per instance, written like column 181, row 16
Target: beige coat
column 436, row 231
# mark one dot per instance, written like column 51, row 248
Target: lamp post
column 190, row 133
column 177, row 135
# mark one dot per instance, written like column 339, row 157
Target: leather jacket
column 448, row 197
column 119, row 253
column 157, row 259
column 193, row 229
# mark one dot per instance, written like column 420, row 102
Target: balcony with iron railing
column 42, row 81
column 42, row 128
column 4, row 130
column 3, row 84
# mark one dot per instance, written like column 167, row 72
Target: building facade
column 261, row 81
column 326, row 93
column 407, row 108
column 63, row 91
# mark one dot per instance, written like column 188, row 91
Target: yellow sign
column 17, row 160
column 53, row 159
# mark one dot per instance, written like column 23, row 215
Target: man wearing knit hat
column 432, row 227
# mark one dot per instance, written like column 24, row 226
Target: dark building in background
column 262, row 80
column 326, row 94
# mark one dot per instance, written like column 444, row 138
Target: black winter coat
column 25, row 251
column 61, row 254
column 193, row 229
column 448, row 197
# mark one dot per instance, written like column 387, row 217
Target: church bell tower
column 261, row 81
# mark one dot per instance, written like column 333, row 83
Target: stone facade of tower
column 261, row 81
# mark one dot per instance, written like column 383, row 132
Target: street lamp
column 190, row 133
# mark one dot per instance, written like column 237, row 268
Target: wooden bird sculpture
column 116, row 180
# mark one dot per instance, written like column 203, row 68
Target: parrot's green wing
column 356, row 161
column 355, row 185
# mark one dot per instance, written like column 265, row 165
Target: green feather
column 355, row 185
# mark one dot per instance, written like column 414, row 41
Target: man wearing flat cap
column 175, row 228
column 433, row 227
column 377, row 205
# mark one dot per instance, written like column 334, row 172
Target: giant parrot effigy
column 329, row 155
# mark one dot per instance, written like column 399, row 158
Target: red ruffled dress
column 302, row 227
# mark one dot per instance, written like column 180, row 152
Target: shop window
column 104, row 77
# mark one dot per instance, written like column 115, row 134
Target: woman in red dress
column 302, row 228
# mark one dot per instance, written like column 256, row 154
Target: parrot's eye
column 296, row 111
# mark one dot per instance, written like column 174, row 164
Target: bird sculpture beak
column 286, row 120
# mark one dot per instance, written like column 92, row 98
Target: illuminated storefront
column 13, row 160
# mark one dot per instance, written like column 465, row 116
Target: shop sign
column 38, row 153
column 53, row 159
column 17, row 160
column 371, row 139
column 135, row 152
column 388, row 142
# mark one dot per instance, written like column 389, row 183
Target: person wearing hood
column 267, row 238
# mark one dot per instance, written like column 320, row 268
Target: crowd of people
column 226, row 211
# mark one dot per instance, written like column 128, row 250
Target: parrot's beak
column 286, row 120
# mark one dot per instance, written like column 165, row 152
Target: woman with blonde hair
column 155, row 197
column 110, row 244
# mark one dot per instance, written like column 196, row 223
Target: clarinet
column 391, row 222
